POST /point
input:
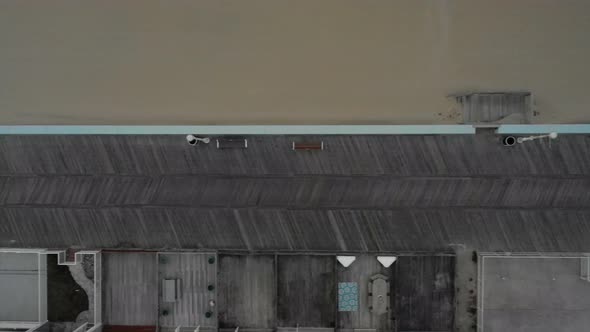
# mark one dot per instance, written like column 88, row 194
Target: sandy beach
column 287, row 61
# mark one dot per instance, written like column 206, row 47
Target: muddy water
column 286, row 61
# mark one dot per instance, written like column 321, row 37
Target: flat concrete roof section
column 533, row 294
column 21, row 280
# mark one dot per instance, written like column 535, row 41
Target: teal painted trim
column 544, row 129
column 241, row 130
column 291, row 130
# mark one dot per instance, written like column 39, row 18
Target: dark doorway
column 65, row 298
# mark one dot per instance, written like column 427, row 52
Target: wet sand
column 286, row 61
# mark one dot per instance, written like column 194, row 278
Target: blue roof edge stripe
column 287, row 129
column 239, row 130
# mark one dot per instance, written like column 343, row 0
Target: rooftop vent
column 308, row 146
column 232, row 143
column 496, row 107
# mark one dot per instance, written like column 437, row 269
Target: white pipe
column 81, row 328
column 95, row 328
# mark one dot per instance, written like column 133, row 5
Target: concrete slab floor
column 526, row 294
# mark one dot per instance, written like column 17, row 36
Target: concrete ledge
column 544, row 129
column 293, row 130
column 241, row 130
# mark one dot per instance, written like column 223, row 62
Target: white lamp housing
column 552, row 135
column 345, row 260
column 193, row 140
column 386, row 260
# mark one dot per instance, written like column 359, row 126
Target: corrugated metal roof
column 299, row 230
column 435, row 155
column 362, row 193
column 370, row 192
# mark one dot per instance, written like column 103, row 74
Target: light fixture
column 386, row 260
column 552, row 135
column 193, row 140
column 345, row 260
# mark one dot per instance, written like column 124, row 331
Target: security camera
column 193, row 140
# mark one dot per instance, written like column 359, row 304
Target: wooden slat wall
column 128, row 328
column 195, row 274
column 424, row 293
column 246, row 294
column 129, row 287
column 306, row 292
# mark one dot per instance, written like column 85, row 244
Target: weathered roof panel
column 362, row 193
